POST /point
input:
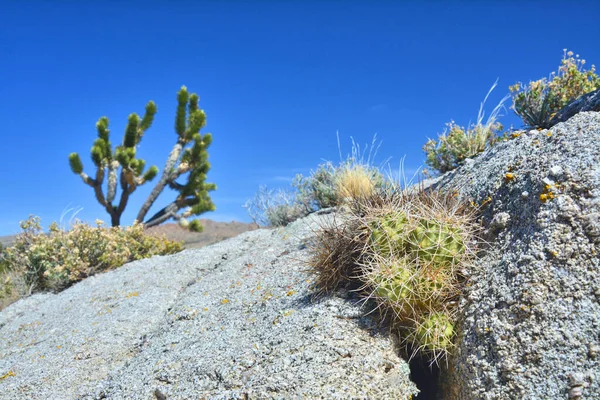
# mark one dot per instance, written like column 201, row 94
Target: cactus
column 409, row 289
column 435, row 242
column 192, row 197
column 387, row 233
column 434, row 333
column 411, row 262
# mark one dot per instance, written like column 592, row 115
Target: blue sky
column 277, row 80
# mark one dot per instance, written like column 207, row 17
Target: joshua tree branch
column 164, row 179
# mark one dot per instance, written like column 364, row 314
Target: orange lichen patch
column 291, row 292
column 548, row 192
column 6, row 375
column 132, row 294
column 544, row 197
column 515, row 135
column 509, row 176
column 549, row 134
column 224, row 301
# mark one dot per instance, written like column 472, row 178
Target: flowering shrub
column 55, row 260
column 537, row 104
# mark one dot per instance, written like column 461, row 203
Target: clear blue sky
column 277, row 79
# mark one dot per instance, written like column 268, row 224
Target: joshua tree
column 192, row 197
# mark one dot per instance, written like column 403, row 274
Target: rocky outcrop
column 531, row 325
column 234, row 320
column 587, row 102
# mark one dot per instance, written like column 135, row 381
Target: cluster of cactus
column 411, row 267
column 192, row 161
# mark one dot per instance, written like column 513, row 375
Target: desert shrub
column 456, row 144
column 540, row 100
column 274, row 207
column 318, row 190
column 3, row 262
column 53, row 261
column 331, row 186
column 285, row 214
column 328, row 186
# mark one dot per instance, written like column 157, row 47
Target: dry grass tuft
column 354, row 182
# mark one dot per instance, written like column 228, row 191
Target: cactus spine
column 192, row 198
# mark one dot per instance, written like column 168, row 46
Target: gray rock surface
column 232, row 320
column 587, row 102
column 531, row 328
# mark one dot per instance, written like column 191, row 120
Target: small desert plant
column 3, row 263
column 274, row 207
column 457, row 143
column 53, row 261
column 406, row 251
column 318, row 190
column 537, row 104
column 330, row 185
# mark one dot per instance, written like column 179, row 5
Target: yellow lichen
column 6, row 375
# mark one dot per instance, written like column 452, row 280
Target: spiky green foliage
column 75, row 163
column 387, row 233
column 188, row 159
column 405, row 250
column 412, row 265
column 457, row 144
column 433, row 334
column 541, row 99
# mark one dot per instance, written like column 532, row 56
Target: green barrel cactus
column 434, row 333
column 435, row 242
column 388, row 233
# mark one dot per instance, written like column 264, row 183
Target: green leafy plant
column 188, row 158
column 541, row 99
column 53, row 261
column 456, row 144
